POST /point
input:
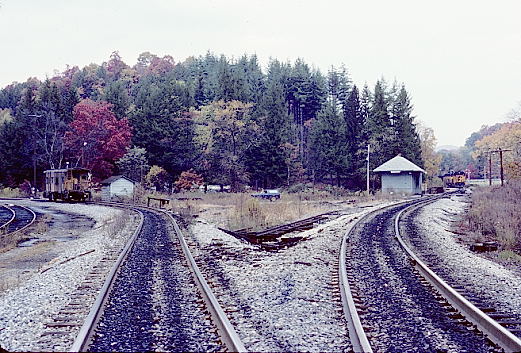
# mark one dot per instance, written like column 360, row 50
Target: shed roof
column 398, row 164
column 66, row 169
column 113, row 178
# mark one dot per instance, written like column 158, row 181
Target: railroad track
column 477, row 298
column 6, row 217
column 15, row 218
column 155, row 298
column 394, row 303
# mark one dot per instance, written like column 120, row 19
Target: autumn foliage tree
column 507, row 137
column 158, row 178
column 188, row 179
column 431, row 159
column 230, row 131
column 96, row 138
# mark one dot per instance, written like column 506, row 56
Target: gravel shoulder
column 40, row 279
column 285, row 300
column 499, row 284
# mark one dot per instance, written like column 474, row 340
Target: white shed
column 118, row 185
column 401, row 176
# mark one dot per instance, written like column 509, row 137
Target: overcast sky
column 459, row 60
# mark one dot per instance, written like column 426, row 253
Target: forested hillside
column 226, row 120
column 474, row 156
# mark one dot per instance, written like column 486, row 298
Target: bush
column 188, row 180
column 496, row 215
column 25, row 188
column 10, row 192
column 293, row 189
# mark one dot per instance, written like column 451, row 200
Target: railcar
column 454, row 179
column 69, row 184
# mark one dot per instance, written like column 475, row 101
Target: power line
column 500, row 151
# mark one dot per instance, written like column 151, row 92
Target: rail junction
column 396, row 297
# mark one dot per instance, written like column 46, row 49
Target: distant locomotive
column 454, row 179
column 70, row 184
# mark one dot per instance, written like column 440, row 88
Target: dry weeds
column 10, row 192
column 240, row 210
column 495, row 214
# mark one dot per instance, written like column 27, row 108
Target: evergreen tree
column 305, row 93
column 161, row 127
column 379, row 127
column 406, row 140
column 266, row 157
column 329, row 151
column 116, row 94
column 356, row 138
column 226, row 86
column 339, row 85
column 17, row 142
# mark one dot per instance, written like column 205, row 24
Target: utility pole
column 34, row 150
column 501, row 163
column 490, row 168
column 368, row 152
column 500, row 151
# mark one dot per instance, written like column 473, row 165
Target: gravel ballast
column 285, row 300
column 153, row 302
column 26, row 307
column 496, row 285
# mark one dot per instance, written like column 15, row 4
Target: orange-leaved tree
column 188, row 179
column 508, row 137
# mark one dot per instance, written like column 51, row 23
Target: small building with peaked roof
column 117, row 186
column 400, row 176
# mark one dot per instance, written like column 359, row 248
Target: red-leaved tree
column 96, row 138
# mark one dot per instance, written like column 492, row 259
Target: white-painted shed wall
column 119, row 187
column 402, row 183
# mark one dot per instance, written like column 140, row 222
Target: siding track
column 397, row 309
column 15, row 218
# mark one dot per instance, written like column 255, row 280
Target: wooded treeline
column 224, row 119
column 475, row 156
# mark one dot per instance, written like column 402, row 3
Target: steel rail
column 28, row 224
column 357, row 334
column 6, row 224
column 496, row 333
column 87, row 330
column 228, row 334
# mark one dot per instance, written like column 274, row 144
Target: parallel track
column 394, row 295
column 7, row 215
column 19, row 218
column 485, row 323
column 150, row 298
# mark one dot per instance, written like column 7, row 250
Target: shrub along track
column 398, row 309
column 153, row 302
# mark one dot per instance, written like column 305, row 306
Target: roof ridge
column 398, row 164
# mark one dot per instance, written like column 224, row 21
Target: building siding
column 119, row 187
column 402, row 183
